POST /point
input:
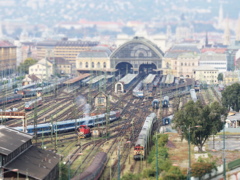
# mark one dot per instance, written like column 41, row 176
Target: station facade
column 135, row 56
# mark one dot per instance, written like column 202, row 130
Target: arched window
column 193, row 64
column 98, row 65
column 86, row 65
column 80, row 65
column 92, row 64
column 104, row 65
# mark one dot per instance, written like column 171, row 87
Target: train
column 40, row 90
column 95, row 170
column 197, row 88
column 141, row 145
column 84, row 131
column 165, row 102
column 33, row 104
column 167, row 120
column 221, row 87
column 23, row 87
column 155, row 104
column 138, row 90
column 193, row 95
column 71, row 125
column 9, row 99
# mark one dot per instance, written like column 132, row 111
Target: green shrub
column 130, row 176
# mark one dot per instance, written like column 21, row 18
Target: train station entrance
column 137, row 56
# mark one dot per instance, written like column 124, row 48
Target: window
column 193, row 64
column 92, row 64
column 80, row 65
column 181, row 64
column 86, row 65
column 104, row 65
column 98, row 65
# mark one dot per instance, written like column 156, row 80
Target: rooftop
column 179, row 49
column 35, row 163
column 96, row 79
column 11, row 139
column 205, row 68
column 58, row 60
column 77, row 43
column 78, row 78
column 6, row 44
column 213, row 56
column 149, row 79
column 128, row 78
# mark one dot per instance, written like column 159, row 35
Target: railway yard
column 119, row 131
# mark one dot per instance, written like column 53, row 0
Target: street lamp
column 189, row 152
column 224, row 159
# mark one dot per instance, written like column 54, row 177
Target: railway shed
column 125, row 83
column 169, row 79
column 77, row 80
column 148, row 81
column 19, row 159
column 96, row 82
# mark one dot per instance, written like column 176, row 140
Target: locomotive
column 33, row 104
column 155, row 104
column 140, row 148
column 165, row 102
column 83, row 131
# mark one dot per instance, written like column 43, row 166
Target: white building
column 214, row 60
column 43, row 69
column 206, row 74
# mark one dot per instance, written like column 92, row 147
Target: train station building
column 19, row 159
column 135, row 56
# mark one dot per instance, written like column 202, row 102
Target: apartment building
column 8, row 57
column 70, row 49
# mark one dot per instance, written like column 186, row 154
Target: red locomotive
column 84, row 131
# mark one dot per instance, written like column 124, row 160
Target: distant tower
column 220, row 15
column 29, row 53
column 238, row 30
column 206, row 39
column 226, row 36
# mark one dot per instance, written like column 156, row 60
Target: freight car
column 141, row 145
column 9, row 99
column 33, row 104
column 155, row 104
column 165, row 102
column 71, row 125
column 95, row 170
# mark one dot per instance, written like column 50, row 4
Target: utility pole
column 156, row 157
column 119, row 166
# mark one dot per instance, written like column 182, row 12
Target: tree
column 24, row 67
column 174, row 173
column 220, row 77
column 203, row 166
column 231, row 97
column 208, row 117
